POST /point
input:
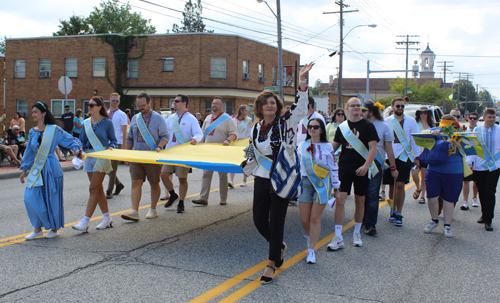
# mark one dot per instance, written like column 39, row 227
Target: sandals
column 284, row 248
column 266, row 280
column 421, row 200
column 416, row 193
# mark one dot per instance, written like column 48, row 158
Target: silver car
column 411, row 109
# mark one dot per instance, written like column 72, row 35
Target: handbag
column 437, row 155
column 286, row 178
column 321, row 170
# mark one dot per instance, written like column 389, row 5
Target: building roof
column 427, row 50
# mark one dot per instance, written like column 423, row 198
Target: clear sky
column 463, row 31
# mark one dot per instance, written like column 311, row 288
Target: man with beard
column 404, row 150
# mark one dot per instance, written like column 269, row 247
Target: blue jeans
column 372, row 200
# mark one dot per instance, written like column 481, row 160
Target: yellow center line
column 20, row 238
column 251, row 286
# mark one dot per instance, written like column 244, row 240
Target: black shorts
column 469, row 178
column 347, row 178
column 423, row 165
column 404, row 169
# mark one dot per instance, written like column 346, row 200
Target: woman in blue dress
column 98, row 134
column 42, row 173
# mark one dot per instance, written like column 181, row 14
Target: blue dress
column 44, row 204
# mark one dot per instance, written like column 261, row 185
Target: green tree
column 2, row 44
column 109, row 18
column 467, row 92
column 192, row 22
column 430, row 92
column 398, row 87
column 315, row 89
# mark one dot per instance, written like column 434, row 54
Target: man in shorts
column 148, row 131
column 404, row 148
column 473, row 118
column 182, row 127
column 358, row 138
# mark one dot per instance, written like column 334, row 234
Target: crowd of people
column 353, row 148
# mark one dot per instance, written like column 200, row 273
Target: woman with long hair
column 42, row 173
column 424, row 119
column 78, row 123
column 269, row 209
column 19, row 121
column 338, row 117
column 98, row 134
column 244, row 124
column 316, row 188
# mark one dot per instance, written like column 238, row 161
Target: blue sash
column 358, row 146
column 408, row 153
column 243, row 124
column 141, row 125
column 102, row 165
column 34, row 178
column 216, row 123
column 305, row 121
column 420, row 127
column 491, row 160
column 380, row 160
column 322, row 186
column 263, row 161
column 177, row 130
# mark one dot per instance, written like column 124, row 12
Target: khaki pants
column 206, row 182
column 113, row 179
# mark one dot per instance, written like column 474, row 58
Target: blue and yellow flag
column 468, row 141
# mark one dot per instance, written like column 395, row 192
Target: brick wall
column 2, row 60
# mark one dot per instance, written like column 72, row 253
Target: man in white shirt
column 405, row 150
column 182, row 127
column 486, row 171
column 473, row 118
column 120, row 123
column 301, row 132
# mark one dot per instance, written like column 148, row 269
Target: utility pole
column 458, row 95
column 341, row 4
column 445, row 66
column 471, row 76
column 407, row 43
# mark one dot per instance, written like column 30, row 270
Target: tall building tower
column 427, row 63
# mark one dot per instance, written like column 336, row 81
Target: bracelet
column 393, row 168
column 228, row 140
column 158, row 146
column 302, row 81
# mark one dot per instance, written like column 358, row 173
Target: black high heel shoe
column 266, row 280
column 284, row 248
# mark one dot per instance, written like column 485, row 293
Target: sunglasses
column 364, row 110
column 339, row 114
column 399, row 106
column 316, row 127
column 457, row 116
column 114, row 100
column 91, row 105
column 177, row 101
column 472, row 118
column 355, row 105
column 172, row 109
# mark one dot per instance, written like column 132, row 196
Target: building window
column 245, row 67
column 250, row 109
column 228, row 107
column 22, row 107
column 274, row 75
column 86, row 109
column 56, row 106
column 20, row 69
column 99, row 67
column 218, row 68
column 71, row 67
column 261, row 70
column 133, row 68
column 168, row 64
column 45, row 65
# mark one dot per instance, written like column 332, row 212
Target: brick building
column 200, row 65
column 2, row 71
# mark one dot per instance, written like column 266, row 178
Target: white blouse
column 323, row 152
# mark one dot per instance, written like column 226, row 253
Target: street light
column 341, row 57
column 280, row 58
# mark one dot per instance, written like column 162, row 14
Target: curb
column 16, row 173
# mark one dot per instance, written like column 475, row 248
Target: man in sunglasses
column 405, row 149
column 456, row 113
column 120, row 123
column 301, row 133
column 473, row 118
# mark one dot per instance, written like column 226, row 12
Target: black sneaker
column 371, row 231
column 180, row 207
column 399, row 220
column 118, row 189
column 171, row 201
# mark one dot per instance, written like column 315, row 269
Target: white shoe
column 151, row 214
column 307, row 239
column 105, row 224
column 52, row 234
column 311, row 257
column 230, row 184
column 34, row 235
column 336, row 243
column 82, row 226
column 474, row 202
column 447, row 232
column 244, row 184
column 430, row 227
column 356, row 239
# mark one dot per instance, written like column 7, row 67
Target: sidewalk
column 9, row 172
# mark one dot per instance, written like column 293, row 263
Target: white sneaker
column 105, row 224
column 381, row 196
column 356, row 239
column 34, row 235
column 447, row 232
column 430, row 226
column 230, row 184
column 243, row 184
column 474, row 202
column 82, row 226
column 336, row 243
column 52, row 234
column 151, row 214
column 311, row 257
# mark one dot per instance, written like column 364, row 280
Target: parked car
column 481, row 119
column 411, row 109
column 165, row 112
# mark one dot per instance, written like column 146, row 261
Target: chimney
column 331, row 80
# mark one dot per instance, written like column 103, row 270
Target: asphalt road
column 214, row 253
